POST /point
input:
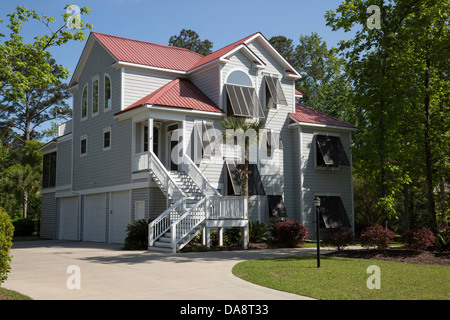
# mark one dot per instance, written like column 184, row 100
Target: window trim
column 95, row 78
column 105, row 108
column 107, row 130
column 87, row 102
column 84, row 137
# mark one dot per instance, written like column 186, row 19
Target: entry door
column 120, row 216
column 170, row 145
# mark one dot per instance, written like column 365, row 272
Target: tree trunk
column 25, row 204
column 428, row 156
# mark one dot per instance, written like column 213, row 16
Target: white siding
column 139, row 83
column 336, row 182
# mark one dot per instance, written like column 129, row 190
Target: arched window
column 107, row 92
column 84, row 102
column 95, row 96
column 239, row 78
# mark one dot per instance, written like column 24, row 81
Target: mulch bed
column 397, row 255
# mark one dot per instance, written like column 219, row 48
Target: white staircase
column 193, row 195
column 187, row 192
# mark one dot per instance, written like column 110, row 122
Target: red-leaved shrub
column 377, row 237
column 419, row 239
column 290, row 233
column 338, row 238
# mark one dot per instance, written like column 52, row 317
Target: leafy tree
column 189, row 39
column 6, row 234
column 30, row 80
column 23, row 181
column 399, row 78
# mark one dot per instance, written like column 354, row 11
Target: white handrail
column 164, row 221
column 190, row 168
column 187, row 222
column 166, row 178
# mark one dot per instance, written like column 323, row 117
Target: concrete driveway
column 45, row 270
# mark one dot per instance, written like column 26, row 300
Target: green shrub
column 290, row 233
column 6, row 233
column 259, row 232
column 443, row 238
column 23, row 227
column 137, row 235
column 232, row 236
column 338, row 238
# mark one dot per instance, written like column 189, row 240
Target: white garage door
column 120, row 216
column 95, row 218
column 69, row 218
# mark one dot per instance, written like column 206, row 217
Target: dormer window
column 242, row 100
column 274, row 93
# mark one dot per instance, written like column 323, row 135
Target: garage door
column 95, row 218
column 69, row 218
column 120, row 216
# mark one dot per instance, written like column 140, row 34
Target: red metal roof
column 179, row 93
column 149, row 54
column 309, row 115
column 221, row 52
column 157, row 55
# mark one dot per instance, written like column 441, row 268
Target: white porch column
column 244, row 231
column 208, row 238
column 220, row 236
column 150, row 134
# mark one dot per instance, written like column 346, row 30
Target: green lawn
column 345, row 279
column 6, row 294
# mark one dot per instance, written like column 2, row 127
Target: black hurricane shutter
column 274, row 137
column 255, row 185
column 333, row 212
column 275, row 90
column 244, row 101
column 330, row 151
column 276, row 206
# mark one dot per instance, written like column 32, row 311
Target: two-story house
column 145, row 142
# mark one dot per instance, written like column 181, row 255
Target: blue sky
column 222, row 22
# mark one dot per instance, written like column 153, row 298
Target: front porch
column 193, row 204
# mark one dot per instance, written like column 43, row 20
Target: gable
column 87, row 50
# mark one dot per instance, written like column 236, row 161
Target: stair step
column 159, row 249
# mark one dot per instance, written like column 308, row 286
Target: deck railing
column 227, row 207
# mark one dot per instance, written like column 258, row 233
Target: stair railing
column 169, row 186
column 188, row 166
column 185, row 224
column 159, row 226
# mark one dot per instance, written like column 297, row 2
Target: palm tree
column 249, row 131
column 23, row 180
